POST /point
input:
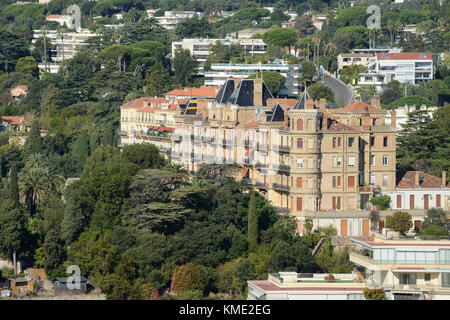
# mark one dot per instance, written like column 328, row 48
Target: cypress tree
column 252, row 236
column 80, row 147
column 34, row 140
column 14, row 186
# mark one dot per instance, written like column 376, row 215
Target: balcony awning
column 162, row 129
column 247, row 153
column 244, row 172
column 153, row 127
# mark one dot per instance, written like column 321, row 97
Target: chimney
column 393, row 119
column 322, row 103
column 286, row 120
column 416, row 179
column 366, row 122
column 309, row 105
column 258, row 92
column 375, row 102
column 444, row 179
column 324, row 121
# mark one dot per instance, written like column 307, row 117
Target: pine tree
column 252, row 236
column 34, row 140
column 14, row 186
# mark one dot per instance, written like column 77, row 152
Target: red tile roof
column 138, row 103
column 23, row 87
column 55, row 16
column 404, row 56
column 429, row 181
column 289, row 102
column 339, row 126
column 13, row 119
column 252, row 123
column 206, row 92
column 361, row 106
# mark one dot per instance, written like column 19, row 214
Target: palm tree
column 33, row 187
column 178, row 168
column 393, row 26
column 330, row 49
column 36, row 160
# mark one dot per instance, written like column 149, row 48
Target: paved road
column 341, row 91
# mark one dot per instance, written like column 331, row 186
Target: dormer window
column 422, row 56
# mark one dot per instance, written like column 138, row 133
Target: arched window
column 299, row 124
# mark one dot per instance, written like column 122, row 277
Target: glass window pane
column 410, row 257
column 430, row 257
column 401, row 256
column 391, row 255
column 420, row 257
column 376, row 254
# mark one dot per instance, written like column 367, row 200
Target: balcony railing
column 282, row 168
column 354, row 257
column 281, row 187
column 285, row 149
column 261, row 185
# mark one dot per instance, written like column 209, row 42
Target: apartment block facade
column 148, row 120
column 200, row 48
column 406, row 269
column 305, row 158
column 220, row 72
column 411, row 68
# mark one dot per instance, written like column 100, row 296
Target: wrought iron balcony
column 280, row 187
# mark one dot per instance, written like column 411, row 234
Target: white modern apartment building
column 403, row 112
column 411, row 68
column 172, row 18
column 346, row 60
column 406, row 269
column 222, row 71
column 297, row 286
column 67, row 44
column 200, row 48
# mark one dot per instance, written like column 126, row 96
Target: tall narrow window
column 385, row 161
column 351, row 161
column 299, row 143
column 351, row 181
column 372, row 161
column 339, row 142
column 299, row 163
column 299, row 183
column 299, row 204
column 339, row 162
column 385, row 180
column 385, row 141
column 334, row 142
column 372, row 141
column 351, row 142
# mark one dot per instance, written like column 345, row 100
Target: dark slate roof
column 243, row 94
column 276, row 114
column 225, row 92
column 301, row 103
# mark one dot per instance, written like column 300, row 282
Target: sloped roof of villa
column 360, row 106
column 429, row 181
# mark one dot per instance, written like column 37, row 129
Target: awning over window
column 163, row 129
column 244, row 172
